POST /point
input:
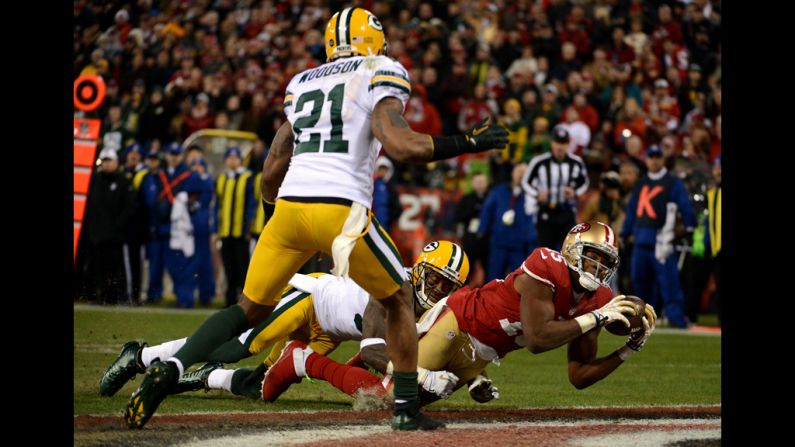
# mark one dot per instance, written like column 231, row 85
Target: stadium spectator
column 421, row 115
column 235, row 208
column 467, row 219
column 476, row 109
column 651, row 215
column 386, row 203
column 115, row 135
column 137, row 233
column 109, row 205
column 507, row 224
column 200, row 207
column 552, row 183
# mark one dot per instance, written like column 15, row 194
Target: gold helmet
column 441, row 269
column 586, row 237
column 354, row 31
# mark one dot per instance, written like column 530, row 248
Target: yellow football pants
column 298, row 230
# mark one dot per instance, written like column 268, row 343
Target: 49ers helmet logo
column 581, row 228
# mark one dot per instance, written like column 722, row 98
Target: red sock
column 356, row 360
column 347, row 379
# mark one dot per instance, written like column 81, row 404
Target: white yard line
column 644, row 438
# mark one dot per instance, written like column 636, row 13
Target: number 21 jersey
column 330, row 109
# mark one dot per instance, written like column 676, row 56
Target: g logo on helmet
column 375, row 23
column 431, row 247
column 581, row 228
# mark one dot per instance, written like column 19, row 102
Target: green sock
column 248, row 381
column 214, row 332
column 405, row 385
column 230, row 352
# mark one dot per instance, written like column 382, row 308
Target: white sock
column 161, row 351
column 179, row 365
column 299, row 360
column 221, row 379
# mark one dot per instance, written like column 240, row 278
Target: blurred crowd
column 622, row 79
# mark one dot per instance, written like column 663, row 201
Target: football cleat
column 159, row 380
column 283, row 372
column 196, row 380
column 409, row 417
column 123, row 369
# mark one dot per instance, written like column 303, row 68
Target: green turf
column 673, row 369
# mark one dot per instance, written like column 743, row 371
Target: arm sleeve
column 389, row 79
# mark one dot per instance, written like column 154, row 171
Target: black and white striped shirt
column 545, row 173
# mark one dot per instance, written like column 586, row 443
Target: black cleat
column 123, row 369
column 409, row 417
column 159, row 381
column 196, row 380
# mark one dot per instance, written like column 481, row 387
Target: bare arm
column 584, row 368
column 277, row 162
column 537, row 312
column 395, row 135
column 374, row 326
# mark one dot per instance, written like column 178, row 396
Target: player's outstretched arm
column 405, row 145
column 585, row 369
column 537, row 311
column 277, row 162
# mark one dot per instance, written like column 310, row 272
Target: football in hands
column 635, row 322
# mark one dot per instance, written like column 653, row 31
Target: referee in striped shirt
column 552, row 183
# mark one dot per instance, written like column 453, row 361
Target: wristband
column 586, row 322
column 371, row 341
column 449, row 147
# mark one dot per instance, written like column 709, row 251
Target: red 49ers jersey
column 491, row 313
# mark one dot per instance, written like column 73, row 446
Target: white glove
column 482, row 390
column 612, row 311
column 440, row 383
column 637, row 340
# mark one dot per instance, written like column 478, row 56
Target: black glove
column 483, row 137
column 486, row 136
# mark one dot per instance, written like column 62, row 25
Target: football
column 635, row 322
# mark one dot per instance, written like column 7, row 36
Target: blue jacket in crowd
column 523, row 229
column 654, row 197
column 157, row 201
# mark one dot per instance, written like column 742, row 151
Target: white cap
column 387, row 163
column 108, row 153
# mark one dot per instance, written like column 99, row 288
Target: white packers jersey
column 330, row 109
column 339, row 305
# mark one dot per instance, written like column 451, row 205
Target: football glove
column 482, row 390
column 440, row 383
column 614, row 310
column 638, row 339
column 487, row 136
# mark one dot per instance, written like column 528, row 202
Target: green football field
column 675, row 368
